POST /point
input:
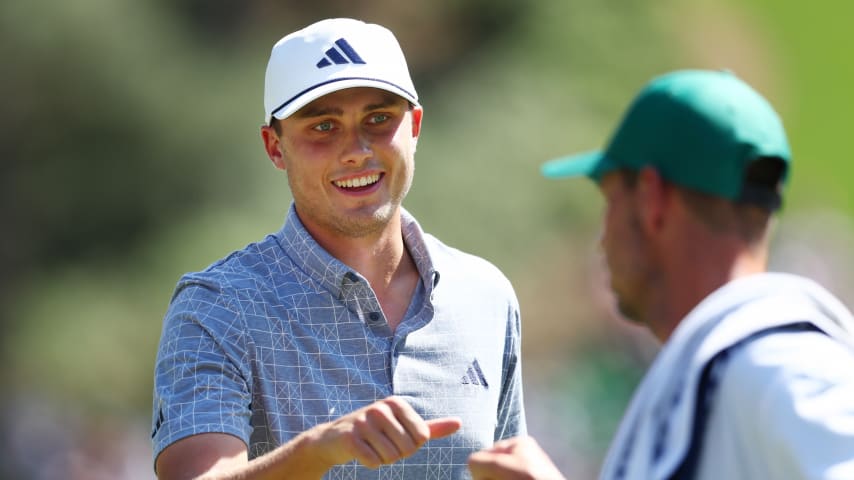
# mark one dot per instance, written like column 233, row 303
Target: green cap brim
column 582, row 164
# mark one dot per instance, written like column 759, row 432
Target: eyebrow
column 319, row 110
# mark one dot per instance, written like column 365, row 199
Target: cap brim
column 311, row 94
column 581, row 164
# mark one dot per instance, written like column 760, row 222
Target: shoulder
column 453, row 263
column 780, row 360
column 792, row 387
column 220, row 293
column 253, row 263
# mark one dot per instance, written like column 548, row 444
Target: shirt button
column 374, row 317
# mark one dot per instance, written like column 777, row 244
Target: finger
column 488, row 465
column 418, row 430
column 509, row 445
column 482, row 466
column 442, row 427
column 382, row 447
column 365, row 454
column 390, row 426
column 414, row 427
column 373, row 430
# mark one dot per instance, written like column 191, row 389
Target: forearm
column 223, row 457
column 378, row 434
column 296, row 460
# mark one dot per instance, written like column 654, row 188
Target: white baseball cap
column 332, row 55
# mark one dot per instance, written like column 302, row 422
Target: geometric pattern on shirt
column 327, row 317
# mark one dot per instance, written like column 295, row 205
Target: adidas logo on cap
column 346, row 54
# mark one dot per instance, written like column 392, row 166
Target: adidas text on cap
column 700, row 129
column 332, row 55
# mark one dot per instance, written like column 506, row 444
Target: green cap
column 700, row 129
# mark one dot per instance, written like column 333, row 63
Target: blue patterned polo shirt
column 280, row 336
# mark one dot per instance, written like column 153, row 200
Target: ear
column 417, row 115
column 653, row 199
column 273, row 146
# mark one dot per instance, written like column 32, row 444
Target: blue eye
column 323, row 126
column 379, row 118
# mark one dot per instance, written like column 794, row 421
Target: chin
column 364, row 223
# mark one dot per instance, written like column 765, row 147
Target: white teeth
column 358, row 182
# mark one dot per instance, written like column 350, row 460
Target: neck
column 695, row 274
column 380, row 261
column 391, row 272
column 383, row 259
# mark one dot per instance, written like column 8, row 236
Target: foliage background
column 130, row 155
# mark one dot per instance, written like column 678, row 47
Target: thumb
column 442, row 427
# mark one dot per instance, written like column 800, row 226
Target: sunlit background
column 131, row 154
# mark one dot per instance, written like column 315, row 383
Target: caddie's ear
column 654, row 197
column 273, row 146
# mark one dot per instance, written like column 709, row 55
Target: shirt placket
column 360, row 300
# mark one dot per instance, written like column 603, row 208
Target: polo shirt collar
column 334, row 275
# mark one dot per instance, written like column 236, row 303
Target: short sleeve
column 200, row 382
column 511, row 409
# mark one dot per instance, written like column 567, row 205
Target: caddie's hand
column 381, row 433
column 519, row 458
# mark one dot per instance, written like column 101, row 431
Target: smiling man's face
column 349, row 156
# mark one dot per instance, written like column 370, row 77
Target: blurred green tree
column 121, row 118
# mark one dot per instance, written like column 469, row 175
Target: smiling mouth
column 358, row 182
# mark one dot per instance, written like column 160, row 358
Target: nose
column 357, row 148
